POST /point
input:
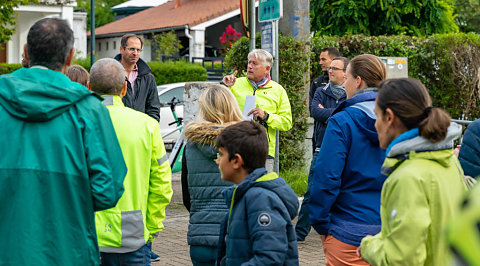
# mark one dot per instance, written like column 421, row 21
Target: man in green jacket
column 60, row 161
column 272, row 109
column 124, row 231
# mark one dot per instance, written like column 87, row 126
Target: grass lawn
column 296, row 179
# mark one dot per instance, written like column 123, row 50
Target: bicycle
column 175, row 158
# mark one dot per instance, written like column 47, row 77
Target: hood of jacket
column 270, row 181
column 204, row 133
column 143, row 68
column 411, row 145
column 360, row 108
column 38, row 94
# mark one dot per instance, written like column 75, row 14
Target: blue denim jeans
column 140, row 256
column 303, row 224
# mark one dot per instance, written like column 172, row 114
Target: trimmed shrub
column 446, row 63
column 180, row 71
column 293, row 56
column 84, row 62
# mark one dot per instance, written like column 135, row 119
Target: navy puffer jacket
column 260, row 229
column 470, row 152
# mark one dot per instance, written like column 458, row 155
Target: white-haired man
column 273, row 109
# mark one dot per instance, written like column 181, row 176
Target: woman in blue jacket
column 201, row 183
column 345, row 194
column 470, row 152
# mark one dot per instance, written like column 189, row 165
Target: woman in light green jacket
column 425, row 182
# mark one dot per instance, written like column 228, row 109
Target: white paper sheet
column 248, row 106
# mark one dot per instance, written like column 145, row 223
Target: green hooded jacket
column 60, row 163
column 421, row 194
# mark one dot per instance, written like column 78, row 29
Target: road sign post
column 270, row 11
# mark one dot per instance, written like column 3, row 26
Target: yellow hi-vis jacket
column 139, row 213
column 271, row 98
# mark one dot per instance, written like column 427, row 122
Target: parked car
column 167, row 94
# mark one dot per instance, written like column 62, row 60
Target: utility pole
column 92, row 32
column 296, row 19
column 252, row 23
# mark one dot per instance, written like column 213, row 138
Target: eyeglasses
column 132, row 49
column 334, row 69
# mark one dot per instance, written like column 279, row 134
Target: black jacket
column 319, row 82
column 325, row 97
column 145, row 98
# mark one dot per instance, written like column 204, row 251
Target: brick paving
column 172, row 247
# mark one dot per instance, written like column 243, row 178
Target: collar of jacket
column 328, row 91
column 410, row 145
column 266, row 86
column 357, row 98
column 143, row 68
column 204, row 133
column 112, row 100
column 248, row 182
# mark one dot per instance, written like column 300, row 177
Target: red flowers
column 229, row 37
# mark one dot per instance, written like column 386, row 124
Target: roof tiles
column 190, row 12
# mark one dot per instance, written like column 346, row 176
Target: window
column 168, row 95
column 114, row 45
column 99, row 46
column 106, row 49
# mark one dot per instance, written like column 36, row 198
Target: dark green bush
column 292, row 66
column 8, row 68
column 446, row 63
column 180, row 71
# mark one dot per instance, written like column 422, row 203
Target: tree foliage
column 446, row 64
column 7, row 17
column 165, row 43
column 103, row 11
column 382, row 17
column 468, row 15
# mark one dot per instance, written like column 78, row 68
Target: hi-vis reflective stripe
column 132, row 233
column 163, row 159
column 107, row 100
column 231, row 207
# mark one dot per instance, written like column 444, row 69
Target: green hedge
column 180, row 71
column 164, row 72
column 292, row 66
column 8, row 68
column 446, row 63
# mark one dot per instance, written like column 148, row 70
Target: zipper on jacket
column 231, row 207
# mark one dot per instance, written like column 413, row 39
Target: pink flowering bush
column 229, row 37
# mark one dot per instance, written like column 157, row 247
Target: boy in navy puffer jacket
column 258, row 229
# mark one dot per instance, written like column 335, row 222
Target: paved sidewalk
column 172, row 247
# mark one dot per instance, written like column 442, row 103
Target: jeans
column 139, row 257
column 203, row 255
column 303, row 224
